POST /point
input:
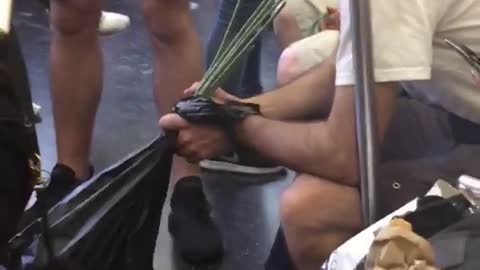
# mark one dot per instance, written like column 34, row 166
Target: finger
column 323, row 24
column 188, row 154
column 336, row 18
column 333, row 22
column 184, row 151
column 331, row 10
column 222, row 94
column 191, row 90
column 185, row 138
column 173, row 121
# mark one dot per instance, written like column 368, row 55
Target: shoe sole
column 236, row 168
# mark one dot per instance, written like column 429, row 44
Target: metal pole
column 365, row 106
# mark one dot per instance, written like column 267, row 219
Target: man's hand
column 196, row 143
column 331, row 21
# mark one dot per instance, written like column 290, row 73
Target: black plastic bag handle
column 204, row 111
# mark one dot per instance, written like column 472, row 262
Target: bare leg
column 177, row 62
column 286, row 28
column 289, row 67
column 76, row 79
column 177, row 65
column 317, row 216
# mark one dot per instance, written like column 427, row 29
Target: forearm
column 303, row 147
column 308, row 96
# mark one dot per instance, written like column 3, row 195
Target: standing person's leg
column 110, row 22
column 177, row 64
column 247, row 72
column 177, row 58
column 45, row 3
column 76, row 84
column 76, row 79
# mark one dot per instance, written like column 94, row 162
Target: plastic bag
column 18, row 142
column 110, row 222
column 351, row 254
column 397, row 247
column 200, row 110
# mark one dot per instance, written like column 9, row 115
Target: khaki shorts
column 313, row 50
column 307, row 12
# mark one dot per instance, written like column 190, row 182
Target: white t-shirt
column 408, row 47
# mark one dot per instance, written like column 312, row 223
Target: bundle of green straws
column 234, row 46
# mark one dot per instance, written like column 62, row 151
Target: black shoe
column 242, row 162
column 279, row 258
column 62, row 182
column 195, row 235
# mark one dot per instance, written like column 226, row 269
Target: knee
column 167, row 20
column 285, row 20
column 296, row 203
column 289, row 66
column 74, row 17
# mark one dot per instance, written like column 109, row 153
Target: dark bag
column 15, row 188
column 18, row 144
column 456, row 248
column 110, row 222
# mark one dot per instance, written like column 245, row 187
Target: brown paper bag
column 397, row 247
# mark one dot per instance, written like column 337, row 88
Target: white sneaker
column 112, row 23
column 194, row 6
column 37, row 118
column 36, row 109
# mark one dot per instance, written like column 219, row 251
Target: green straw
column 232, row 49
column 216, row 80
column 227, row 33
column 229, row 52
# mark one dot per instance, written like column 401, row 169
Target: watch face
column 468, row 55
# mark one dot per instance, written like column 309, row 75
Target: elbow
column 339, row 160
column 345, row 153
column 346, row 164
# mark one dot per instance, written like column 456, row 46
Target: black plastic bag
column 200, row 110
column 18, row 142
column 110, row 222
column 435, row 213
